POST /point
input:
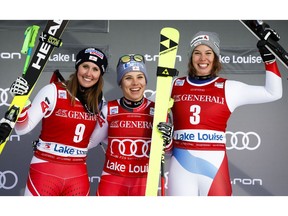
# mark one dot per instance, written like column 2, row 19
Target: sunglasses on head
column 132, row 57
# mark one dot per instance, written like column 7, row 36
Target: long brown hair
column 92, row 95
column 217, row 66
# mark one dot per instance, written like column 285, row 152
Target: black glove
column 167, row 132
column 5, row 130
column 266, row 55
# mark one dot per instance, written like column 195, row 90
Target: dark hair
column 217, row 66
column 92, row 95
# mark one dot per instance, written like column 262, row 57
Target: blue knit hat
column 130, row 66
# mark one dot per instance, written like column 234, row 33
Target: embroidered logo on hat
column 93, row 55
column 92, row 51
column 210, row 39
column 93, row 58
column 199, row 38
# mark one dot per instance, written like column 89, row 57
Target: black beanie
column 94, row 55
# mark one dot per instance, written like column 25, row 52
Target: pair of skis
column 48, row 40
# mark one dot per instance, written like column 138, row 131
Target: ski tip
column 169, row 30
column 169, row 37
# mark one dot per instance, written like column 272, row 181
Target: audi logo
column 4, row 97
column 240, row 140
column 149, row 93
column 128, row 147
column 8, row 179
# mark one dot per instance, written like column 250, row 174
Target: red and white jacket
column 66, row 129
column 201, row 110
column 128, row 134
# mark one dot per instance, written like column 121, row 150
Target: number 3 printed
column 79, row 131
column 195, row 118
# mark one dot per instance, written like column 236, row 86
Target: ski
column 48, row 40
column 169, row 39
column 259, row 29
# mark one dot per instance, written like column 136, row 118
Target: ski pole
column 163, row 172
column 59, row 75
column 29, row 42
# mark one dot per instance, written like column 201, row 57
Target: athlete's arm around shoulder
column 100, row 133
column 238, row 93
column 43, row 103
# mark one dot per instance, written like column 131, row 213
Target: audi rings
column 240, row 140
column 4, row 96
column 130, row 148
column 149, row 93
column 8, row 179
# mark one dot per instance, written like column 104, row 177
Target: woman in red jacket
column 69, row 112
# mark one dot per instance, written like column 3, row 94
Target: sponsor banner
column 94, row 26
column 241, row 60
column 200, row 136
column 233, row 59
column 62, row 58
